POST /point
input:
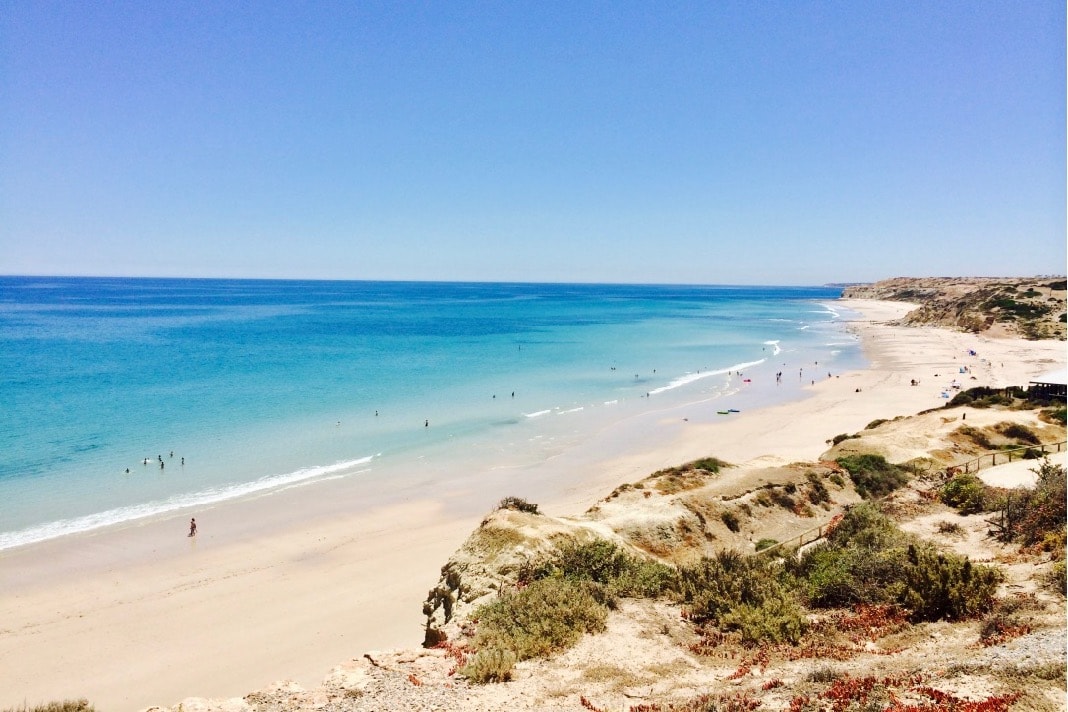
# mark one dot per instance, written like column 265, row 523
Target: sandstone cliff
column 1031, row 307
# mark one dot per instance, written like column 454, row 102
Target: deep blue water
column 261, row 383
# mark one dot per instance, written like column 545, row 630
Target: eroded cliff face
column 1030, row 307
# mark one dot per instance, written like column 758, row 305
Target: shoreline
column 141, row 615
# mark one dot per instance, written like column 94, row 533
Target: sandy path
column 141, row 615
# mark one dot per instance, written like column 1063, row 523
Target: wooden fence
column 806, row 537
column 1000, row 457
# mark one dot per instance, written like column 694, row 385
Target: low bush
column 817, row 491
column 731, row 520
column 783, row 499
column 865, row 526
column 872, row 475
column 708, row 464
column 1029, row 516
column 982, row 397
column 547, row 616
column 603, row 562
column 967, row 493
column 841, row 576
column 869, row 560
column 489, row 665
column 1000, row 625
column 976, row 436
column 841, row 437
column 81, row 705
column 1018, row 432
column 518, row 504
column 939, row 586
column 875, row 423
column 1057, row 577
column 950, row 528
column 774, row 619
column 765, row 544
column 824, row 674
column 747, row 595
column 689, row 476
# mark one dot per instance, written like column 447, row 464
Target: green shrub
column 817, row 491
column 603, row 562
column 872, row 475
column 776, row 619
column 731, row 520
column 976, row 436
column 519, row 504
column 840, row 576
column 1057, row 577
column 81, row 705
column 869, row 560
column 708, row 464
column 644, row 579
column 824, row 674
column 599, row 560
column 961, row 398
column 1019, row 432
column 950, row 528
column 766, row 543
column 547, row 616
column 490, row 665
column 940, row 586
column 742, row 594
column 1030, row 516
column 967, row 493
column 865, row 526
column 783, row 499
column 689, row 476
column 982, row 397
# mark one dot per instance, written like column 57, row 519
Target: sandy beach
column 285, row 586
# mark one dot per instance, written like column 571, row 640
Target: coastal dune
column 142, row 615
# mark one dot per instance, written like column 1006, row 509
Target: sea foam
column 213, row 495
column 691, row 377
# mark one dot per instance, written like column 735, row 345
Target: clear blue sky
column 703, row 142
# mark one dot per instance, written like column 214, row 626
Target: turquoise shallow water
column 264, row 384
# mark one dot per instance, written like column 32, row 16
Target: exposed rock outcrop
column 1030, row 307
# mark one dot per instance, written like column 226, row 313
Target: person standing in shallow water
column 193, row 526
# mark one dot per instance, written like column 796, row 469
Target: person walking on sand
column 193, row 526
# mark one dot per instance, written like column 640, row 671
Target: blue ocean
column 129, row 398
